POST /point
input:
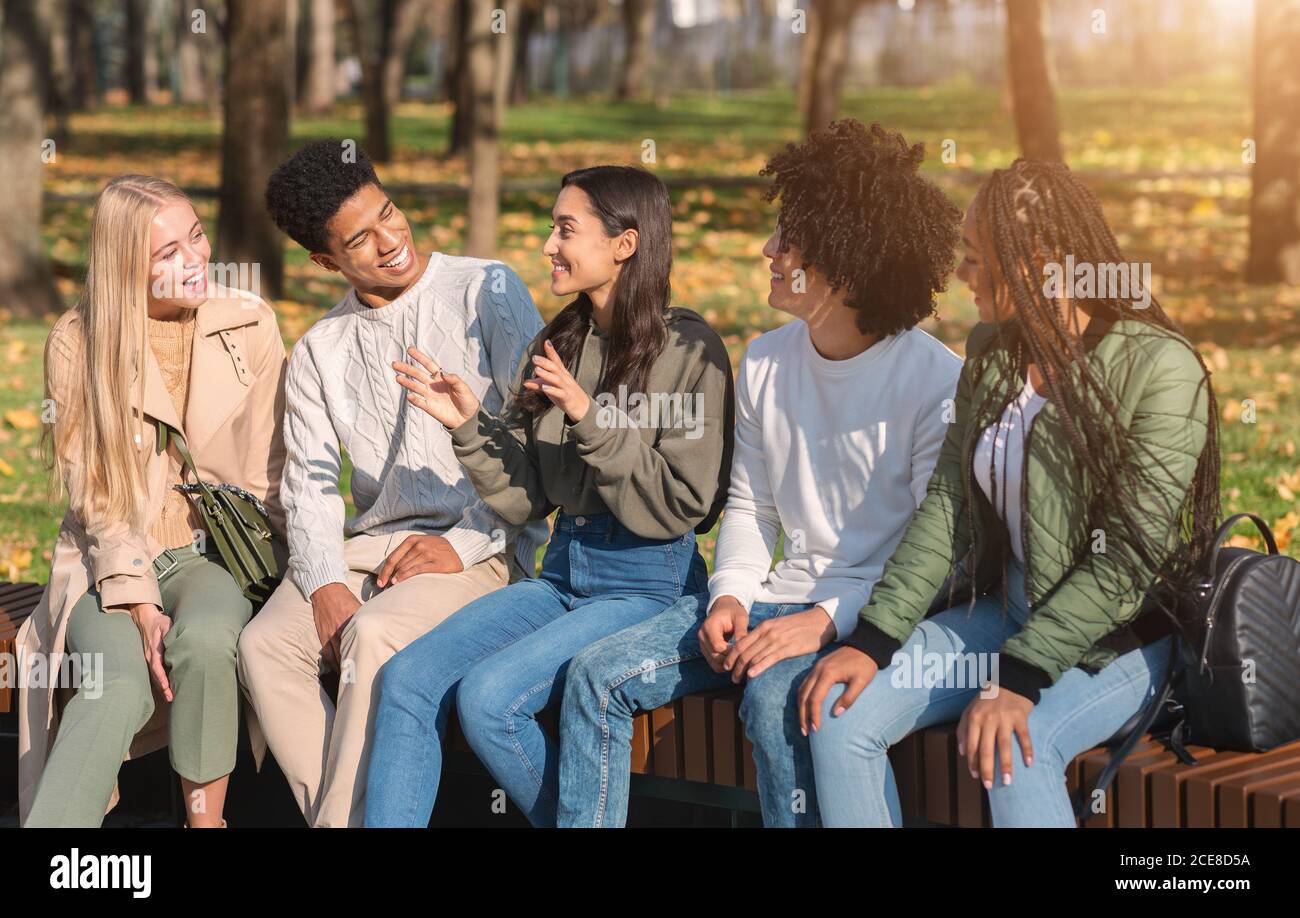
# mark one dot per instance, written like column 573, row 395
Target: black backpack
column 1239, row 664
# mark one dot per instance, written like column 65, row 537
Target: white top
column 475, row 318
column 837, row 453
column 1002, row 447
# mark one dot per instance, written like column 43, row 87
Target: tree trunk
column 484, row 163
column 809, row 48
column 831, row 61
column 81, row 48
column 504, row 45
column 26, row 286
column 1033, row 93
column 382, row 29
column 58, row 35
column 458, row 85
column 141, row 52
column 519, row 70
column 638, row 47
column 404, row 20
column 1275, row 176
column 189, row 55
column 254, row 138
column 319, row 89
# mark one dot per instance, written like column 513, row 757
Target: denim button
column 581, row 521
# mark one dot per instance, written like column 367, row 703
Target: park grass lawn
column 1191, row 227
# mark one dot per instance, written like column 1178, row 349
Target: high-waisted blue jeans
column 855, row 784
column 502, row 659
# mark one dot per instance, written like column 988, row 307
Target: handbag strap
column 1222, row 536
column 1149, row 714
column 166, row 432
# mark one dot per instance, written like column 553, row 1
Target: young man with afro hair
column 421, row 544
column 840, row 415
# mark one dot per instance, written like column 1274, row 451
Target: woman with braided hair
column 1075, row 494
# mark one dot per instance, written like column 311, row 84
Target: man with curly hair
column 840, row 415
column 421, row 544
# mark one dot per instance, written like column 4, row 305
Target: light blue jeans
column 651, row 664
column 502, row 659
column 855, row 784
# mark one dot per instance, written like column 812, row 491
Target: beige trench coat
column 233, row 427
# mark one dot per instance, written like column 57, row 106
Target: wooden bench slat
column 695, row 737
column 641, row 744
column 1132, row 788
column 1234, row 794
column 905, row 759
column 1291, row 812
column 666, row 747
column 1269, row 803
column 1202, row 783
column 726, row 746
column 939, row 746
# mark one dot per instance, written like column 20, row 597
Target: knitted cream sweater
column 474, row 317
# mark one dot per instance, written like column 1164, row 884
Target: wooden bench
column 695, row 751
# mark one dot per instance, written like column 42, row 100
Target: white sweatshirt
column 837, row 453
column 474, row 318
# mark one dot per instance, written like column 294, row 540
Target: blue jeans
column 649, row 665
column 855, row 783
column 502, row 659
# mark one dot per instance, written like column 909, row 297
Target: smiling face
column 178, row 258
column 795, row 290
column 370, row 244
column 974, row 272
column 584, row 258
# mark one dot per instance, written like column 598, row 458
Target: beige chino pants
column 323, row 749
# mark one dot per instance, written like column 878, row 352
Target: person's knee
column 202, row 644
column 404, row 677
column 770, row 703
column 611, row 675
column 855, row 729
column 484, row 702
column 128, row 691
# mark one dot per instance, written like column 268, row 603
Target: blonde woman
column 136, row 588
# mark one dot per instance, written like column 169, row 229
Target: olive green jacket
column 1083, row 602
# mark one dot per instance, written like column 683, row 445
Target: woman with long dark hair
column 622, row 421
column 1075, row 496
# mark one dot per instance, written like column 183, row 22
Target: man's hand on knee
column 418, row 554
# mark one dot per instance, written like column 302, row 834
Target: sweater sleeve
column 750, row 523
column 313, row 505
column 666, row 489
column 509, row 319
column 121, row 562
column 500, row 457
column 1105, row 590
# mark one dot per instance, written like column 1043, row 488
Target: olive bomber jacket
column 1085, row 607
column 660, row 479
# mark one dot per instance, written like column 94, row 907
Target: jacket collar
column 226, row 309
column 218, row 383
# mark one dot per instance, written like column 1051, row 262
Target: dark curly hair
column 856, row 207
column 308, row 188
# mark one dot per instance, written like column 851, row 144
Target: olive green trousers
column 115, row 699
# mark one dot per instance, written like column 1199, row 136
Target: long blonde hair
column 95, row 425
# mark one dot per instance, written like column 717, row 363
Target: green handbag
column 236, row 521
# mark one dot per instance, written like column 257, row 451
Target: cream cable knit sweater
column 474, row 317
